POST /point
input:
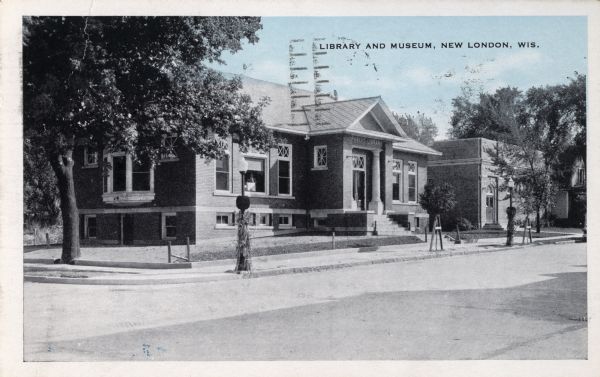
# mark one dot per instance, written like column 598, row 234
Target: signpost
column 242, row 202
column 437, row 232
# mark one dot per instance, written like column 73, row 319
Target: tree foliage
column 492, row 117
column 420, row 128
column 126, row 83
column 549, row 125
column 123, row 83
column 41, row 205
column 437, row 199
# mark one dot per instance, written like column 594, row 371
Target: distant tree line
column 541, row 134
column 420, row 127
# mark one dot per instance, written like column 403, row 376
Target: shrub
column 464, row 224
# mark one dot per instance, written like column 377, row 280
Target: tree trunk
column 63, row 168
column 537, row 221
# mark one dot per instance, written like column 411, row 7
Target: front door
column 127, row 229
column 490, row 205
column 359, row 187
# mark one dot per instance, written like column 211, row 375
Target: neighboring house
column 570, row 205
column 353, row 168
column 467, row 165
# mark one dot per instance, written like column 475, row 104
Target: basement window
column 90, row 226
column 169, row 226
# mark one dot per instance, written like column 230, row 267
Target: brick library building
column 354, row 171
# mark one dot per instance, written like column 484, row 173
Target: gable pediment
column 368, row 123
column 378, row 118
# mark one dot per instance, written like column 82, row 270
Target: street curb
column 433, row 255
column 266, row 273
column 100, row 263
column 155, row 281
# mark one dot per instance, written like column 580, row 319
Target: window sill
column 223, row 193
column 259, row 227
column 256, row 194
column 319, row 168
column 225, row 227
column 128, row 198
column 175, row 159
column 253, row 195
column 90, row 166
column 286, row 227
column 169, row 238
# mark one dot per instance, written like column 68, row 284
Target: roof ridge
column 345, row 100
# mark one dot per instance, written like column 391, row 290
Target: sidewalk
column 266, row 265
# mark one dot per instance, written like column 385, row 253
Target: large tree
column 437, row 199
column 420, row 127
column 492, row 117
column 549, row 125
column 126, row 83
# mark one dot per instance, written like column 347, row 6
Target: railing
column 170, row 255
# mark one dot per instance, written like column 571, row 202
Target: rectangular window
column 285, row 221
column 140, row 178
column 169, row 222
column 397, row 180
column 396, row 185
column 284, row 169
column 90, row 159
column 580, row 176
column 105, row 176
column 222, row 174
column 264, row 219
column 90, row 226
column 320, row 157
column 119, row 172
column 168, row 149
column 412, row 181
column 260, row 219
column 255, row 175
column 224, row 219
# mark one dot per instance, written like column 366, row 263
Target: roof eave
column 287, row 130
column 381, row 136
column 419, row 151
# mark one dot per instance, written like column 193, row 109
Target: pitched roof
column 341, row 114
column 410, row 145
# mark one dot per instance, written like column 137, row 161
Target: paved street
column 517, row 304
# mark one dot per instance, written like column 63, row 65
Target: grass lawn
column 223, row 249
column 485, row 233
column 298, row 244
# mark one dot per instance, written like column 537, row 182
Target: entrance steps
column 387, row 226
column 493, row 227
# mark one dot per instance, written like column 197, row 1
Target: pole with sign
column 437, row 232
column 243, row 242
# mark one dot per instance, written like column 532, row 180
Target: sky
column 423, row 80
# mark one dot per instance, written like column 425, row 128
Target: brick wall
column 457, row 149
column 465, row 180
column 210, row 202
column 109, row 227
column 88, row 182
column 174, row 182
column 326, row 189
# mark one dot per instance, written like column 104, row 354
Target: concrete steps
column 493, row 227
column 387, row 226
